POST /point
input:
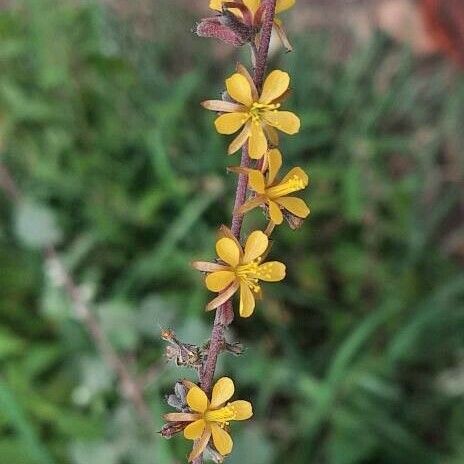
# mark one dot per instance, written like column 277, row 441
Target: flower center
column 222, row 416
column 291, row 185
column 258, row 109
column 248, row 274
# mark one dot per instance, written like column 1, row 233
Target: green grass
column 360, row 348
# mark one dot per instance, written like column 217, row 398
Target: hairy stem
column 224, row 314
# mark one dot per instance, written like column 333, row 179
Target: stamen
column 291, row 185
column 258, row 109
column 221, row 416
column 248, row 274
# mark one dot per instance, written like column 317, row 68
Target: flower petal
column 221, row 439
column 230, row 123
column 197, row 400
column 205, row 266
column 256, row 181
column 272, row 271
column 275, row 85
column 181, row 417
column 252, row 203
column 224, row 231
column 222, row 297
column 286, row 121
column 242, row 409
column 247, row 301
column 223, row 391
column 200, row 444
column 240, row 140
column 255, row 246
column 228, row 251
column 216, row 5
column 252, row 5
column 282, row 34
column 299, row 173
column 239, row 89
column 296, row 206
column 257, row 143
column 244, row 72
column 275, row 213
column 274, row 159
column 219, row 280
column 283, row 5
column 195, row 430
column 223, row 106
column 272, row 135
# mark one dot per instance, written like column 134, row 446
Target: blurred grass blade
column 10, row 408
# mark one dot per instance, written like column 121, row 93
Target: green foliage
column 360, row 348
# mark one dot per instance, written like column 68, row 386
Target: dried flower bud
column 213, row 28
column 172, row 428
column 234, row 348
column 182, row 354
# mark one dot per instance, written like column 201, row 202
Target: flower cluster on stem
column 251, row 109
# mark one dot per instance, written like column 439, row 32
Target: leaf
column 35, row 225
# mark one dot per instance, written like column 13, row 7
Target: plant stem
column 224, row 314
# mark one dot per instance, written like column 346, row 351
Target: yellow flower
column 276, row 193
column 254, row 13
column 242, row 269
column 253, row 5
column 210, row 419
column 258, row 116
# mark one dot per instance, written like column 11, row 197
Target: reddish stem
column 224, row 314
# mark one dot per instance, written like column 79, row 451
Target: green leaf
column 35, row 225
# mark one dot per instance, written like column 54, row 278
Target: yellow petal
column 224, row 231
column 221, row 439
column 256, row 181
column 197, row 399
column 247, row 301
column 275, row 213
column 239, row 89
column 200, row 444
column 274, row 158
column 255, row 246
column 223, row 391
column 219, row 280
column 228, row 251
column 272, row 271
column 252, row 5
column 216, row 5
column 242, row 409
column 252, row 203
column 285, row 121
column 274, row 86
column 223, row 297
column 195, row 429
column 230, row 123
column 283, row 5
column 240, row 140
column 299, row 173
column 244, row 72
column 296, row 206
column 257, row 143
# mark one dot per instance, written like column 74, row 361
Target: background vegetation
column 357, row 358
